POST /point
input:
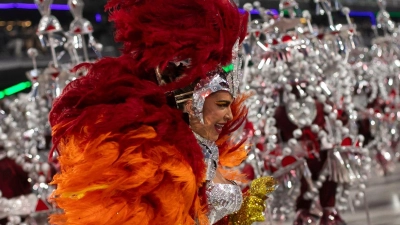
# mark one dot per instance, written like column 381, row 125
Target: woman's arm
column 253, row 206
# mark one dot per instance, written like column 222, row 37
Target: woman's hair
column 175, row 72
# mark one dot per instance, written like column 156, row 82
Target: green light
column 15, row 89
column 228, row 68
column 394, row 14
column 285, row 12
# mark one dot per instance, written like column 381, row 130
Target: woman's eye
column 222, row 105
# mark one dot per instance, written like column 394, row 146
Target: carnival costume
column 127, row 154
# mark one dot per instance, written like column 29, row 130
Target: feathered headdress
column 156, row 32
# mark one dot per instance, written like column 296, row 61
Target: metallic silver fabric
column 223, row 199
column 211, row 156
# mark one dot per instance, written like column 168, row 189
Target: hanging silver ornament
column 297, row 133
column 315, row 128
column 299, row 110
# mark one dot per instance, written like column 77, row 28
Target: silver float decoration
column 289, row 66
column 25, row 133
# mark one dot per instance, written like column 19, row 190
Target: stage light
column 15, row 89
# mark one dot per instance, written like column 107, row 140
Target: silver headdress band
column 206, row 87
column 225, row 79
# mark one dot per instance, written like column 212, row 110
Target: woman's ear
column 188, row 108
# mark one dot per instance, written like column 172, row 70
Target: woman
column 127, row 153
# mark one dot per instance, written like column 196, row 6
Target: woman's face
column 216, row 113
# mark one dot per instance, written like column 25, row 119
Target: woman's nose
column 229, row 115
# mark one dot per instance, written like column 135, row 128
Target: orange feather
column 233, row 153
column 150, row 183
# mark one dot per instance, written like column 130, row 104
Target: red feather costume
column 126, row 156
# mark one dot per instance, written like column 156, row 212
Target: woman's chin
column 214, row 137
column 211, row 136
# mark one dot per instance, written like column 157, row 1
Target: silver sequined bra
column 223, row 199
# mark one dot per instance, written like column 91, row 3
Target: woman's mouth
column 218, row 127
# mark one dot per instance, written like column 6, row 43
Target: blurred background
column 18, row 24
column 38, row 74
